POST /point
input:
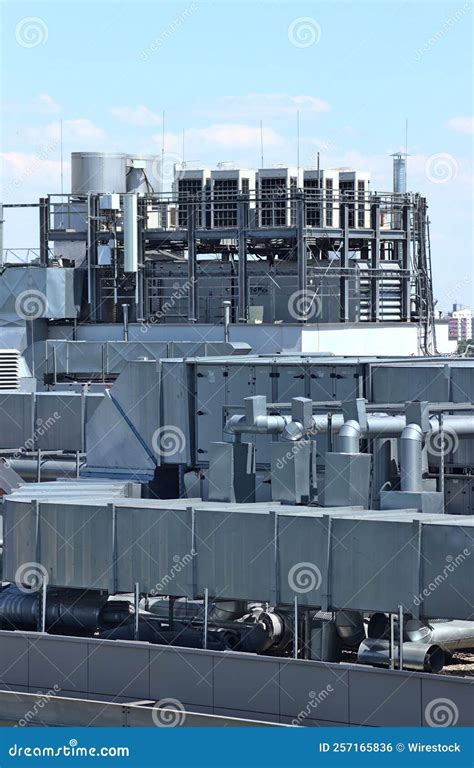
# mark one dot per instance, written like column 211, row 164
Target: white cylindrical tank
column 130, row 232
column 143, row 174
column 97, row 172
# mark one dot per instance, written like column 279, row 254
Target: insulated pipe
column 417, row 656
column 349, row 437
column 411, row 444
column 449, row 635
column 50, row 469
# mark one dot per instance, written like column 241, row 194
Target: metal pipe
column 227, row 306
column 125, row 321
column 449, row 635
column 136, row 605
column 349, row 437
column 411, row 444
column 206, row 616
column 400, row 637
column 295, row 634
column 377, row 425
column 416, row 656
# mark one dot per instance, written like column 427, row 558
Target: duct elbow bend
column 349, row 437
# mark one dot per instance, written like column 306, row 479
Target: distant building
column 460, row 323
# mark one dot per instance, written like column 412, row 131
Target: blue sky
column 354, row 70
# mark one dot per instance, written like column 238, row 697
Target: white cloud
column 46, row 104
column 139, row 116
column 462, row 124
column 221, row 136
column 24, row 172
column 261, row 105
column 79, row 128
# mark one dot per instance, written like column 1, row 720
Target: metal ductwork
column 411, row 444
column 416, row 656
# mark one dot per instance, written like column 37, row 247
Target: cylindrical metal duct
column 350, row 628
column 130, row 232
column 97, row 172
column 349, row 437
column 417, row 656
column 449, row 635
column 411, row 443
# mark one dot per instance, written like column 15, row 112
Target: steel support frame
column 375, row 262
column 242, row 223
column 344, row 261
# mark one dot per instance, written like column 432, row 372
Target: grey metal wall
column 47, row 421
column 232, row 684
column 371, row 561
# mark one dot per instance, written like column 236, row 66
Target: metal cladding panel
column 210, row 400
column 59, row 422
column 315, row 692
column 119, row 670
column 302, row 559
column 54, row 660
column 155, row 550
column 111, row 443
column 446, row 584
column 76, row 544
column 365, row 556
column 347, row 382
column 399, row 384
column 16, row 421
column 254, row 688
column 168, row 678
column 235, row 554
column 77, row 356
column 378, row 699
column 175, row 429
column 19, row 536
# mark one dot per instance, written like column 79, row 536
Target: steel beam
column 405, row 265
column 192, row 264
column 301, row 250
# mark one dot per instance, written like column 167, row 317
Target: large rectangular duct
column 327, row 558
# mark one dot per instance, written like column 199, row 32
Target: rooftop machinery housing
column 281, row 244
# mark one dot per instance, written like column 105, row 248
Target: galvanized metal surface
column 230, row 684
column 370, row 561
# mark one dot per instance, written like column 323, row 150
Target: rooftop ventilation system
column 9, row 369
